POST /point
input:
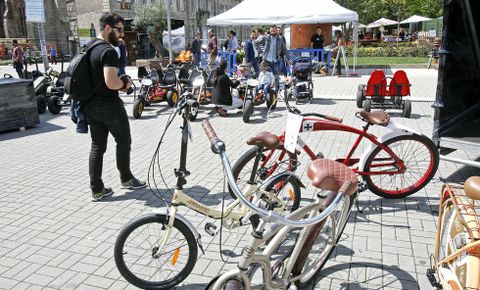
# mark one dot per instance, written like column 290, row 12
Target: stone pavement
column 53, row 237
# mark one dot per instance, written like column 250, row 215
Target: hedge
column 394, row 49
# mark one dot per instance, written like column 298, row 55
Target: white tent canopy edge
column 255, row 12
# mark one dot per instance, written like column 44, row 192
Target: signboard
column 84, row 36
column 35, row 11
column 433, row 33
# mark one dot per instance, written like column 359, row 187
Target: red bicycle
column 397, row 164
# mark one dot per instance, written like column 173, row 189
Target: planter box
column 18, row 108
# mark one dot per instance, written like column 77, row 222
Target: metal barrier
column 313, row 54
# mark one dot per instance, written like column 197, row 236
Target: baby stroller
column 302, row 85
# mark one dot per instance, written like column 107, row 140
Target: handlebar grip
column 209, row 130
column 217, row 145
column 333, row 118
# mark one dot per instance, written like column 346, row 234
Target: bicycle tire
column 375, row 182
column 185, row 235
column 309, row 271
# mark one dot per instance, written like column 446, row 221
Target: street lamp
column 169, row 27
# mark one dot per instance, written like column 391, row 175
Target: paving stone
column 51, row 230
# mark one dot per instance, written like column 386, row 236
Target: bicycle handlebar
column 218, row 147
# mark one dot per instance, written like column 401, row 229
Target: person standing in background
column 250, row 57
column 122, row 56
column 196, row 49
column 17, row 58
column 212, row 48
column 53, row 55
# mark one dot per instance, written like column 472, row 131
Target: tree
column 152, row 17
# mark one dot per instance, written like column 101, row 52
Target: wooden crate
column 18, row 107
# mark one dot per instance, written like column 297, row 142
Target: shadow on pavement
column 463, row 173
column 363, row 276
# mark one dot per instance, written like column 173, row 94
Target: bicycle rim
column 325, row 242
column 242, row 169
column 420, row 157
column 137, row 243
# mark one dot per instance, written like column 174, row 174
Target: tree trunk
column 155, row 40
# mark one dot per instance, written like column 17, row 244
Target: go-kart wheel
column 41, row 104
column 271, row 100
column 53, row 105
column 360, row 96
column 172, row 98
column 138, row 106
column 407, row 108
column 397, row 101
column 367, row 105
column 247, row 110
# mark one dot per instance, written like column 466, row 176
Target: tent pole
column 355, row 48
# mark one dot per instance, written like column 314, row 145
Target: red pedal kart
column 378, row 95
column 154, row 91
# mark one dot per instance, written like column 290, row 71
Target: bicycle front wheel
column 138, row 242
column 324, row 243
column 417, row 152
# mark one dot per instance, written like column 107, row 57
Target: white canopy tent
column 415, row 19
column 382, row 22
column 255, row 12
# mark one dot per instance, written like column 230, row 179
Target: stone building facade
column 13, row 23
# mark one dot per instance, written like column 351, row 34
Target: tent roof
column 258, row 12
column 414, row 19
column 382, row 22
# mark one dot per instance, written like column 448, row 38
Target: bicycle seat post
column 258, row 156
column 182, row 171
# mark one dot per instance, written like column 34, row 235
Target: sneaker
column 134, row 184
column 106, row 191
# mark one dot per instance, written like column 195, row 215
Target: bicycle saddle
column 375, row 118
column 331, row 175
column 472, row 187
column 264, row 139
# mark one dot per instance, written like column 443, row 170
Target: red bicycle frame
column 315, row 124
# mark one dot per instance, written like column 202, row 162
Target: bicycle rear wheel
column 137, row 243
column 420, row 156
column 318, row 249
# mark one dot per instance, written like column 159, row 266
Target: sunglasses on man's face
column 120, row 29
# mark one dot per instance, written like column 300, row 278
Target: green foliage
column 151, row 14
column 371, row 10
column 393, row 49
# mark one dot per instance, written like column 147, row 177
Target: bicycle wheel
column 138, row 241
column 420, row 157
column 319, row 248
column 287, row 191
column 242, row 169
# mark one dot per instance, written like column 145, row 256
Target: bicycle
column 159, row 250
column 310, row 247
column 456, row 257
column 397, row 164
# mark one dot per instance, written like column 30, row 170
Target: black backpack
column 78, row 81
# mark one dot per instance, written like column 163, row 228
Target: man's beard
column 113, row 39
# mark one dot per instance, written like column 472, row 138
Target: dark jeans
column 102, row 121
column 254, row 64
column 121, row 70
column 19, row 68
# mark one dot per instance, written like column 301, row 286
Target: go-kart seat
column 399, row 85
column 377, row 84
column 170, row 78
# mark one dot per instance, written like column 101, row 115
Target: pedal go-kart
column 377, row 94
column 247, row 91
column 49, row 91
column 152, row 91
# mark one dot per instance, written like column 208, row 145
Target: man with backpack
column 103, row 108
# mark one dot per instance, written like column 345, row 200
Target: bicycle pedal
column 362, row 186
column 211, row 229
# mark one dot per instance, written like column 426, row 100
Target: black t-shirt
column 317, row 41
column 101, row 56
